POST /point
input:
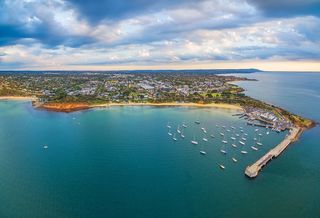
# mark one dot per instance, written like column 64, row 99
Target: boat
column 203, row 152
column 182, row 136
column 174, row 137
column 197, row 122
column 244, row 139
column 194, row 141
column 222, row 167
column 237, row 135
column 260, row 134
column 241, row 130
column 178, row 130
column 224, row 141
column 241, row 127
column 204, row 129
column 221, row 134
column 223, row 126
column 244, row 152
column 184, row 125
column 267, row 133
column 232, row 127
column 228, row 130
column 259, row 143
column 242, row 143
column 254, row 148
column 255, row 139
column 256, row 130
column 216, row 125
column 246, row 134
column 234, row 145
column 212, row 136
column 233, row 138
column 168, row 125
column 205, row 139
column 234, row 160
column 45, row 146
column 169, row 133
column 223, row 151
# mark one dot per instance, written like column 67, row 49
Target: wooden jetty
column 253, row 170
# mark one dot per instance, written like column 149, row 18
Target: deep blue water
column 120, row 161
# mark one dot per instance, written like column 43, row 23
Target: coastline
column 19, row 98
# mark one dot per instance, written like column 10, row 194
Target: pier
column 253, row 170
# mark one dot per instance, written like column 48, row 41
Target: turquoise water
column 120, row 162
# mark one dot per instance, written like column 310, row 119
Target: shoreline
column 19, row 98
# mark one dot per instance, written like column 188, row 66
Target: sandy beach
column 172, row 104
column 22, row 98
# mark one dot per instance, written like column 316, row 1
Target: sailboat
column 194, row 141
column 174, row 137
column 168, row 125
column 203, row 152
column 222, row 167
column 178, row 130
column 254, row 148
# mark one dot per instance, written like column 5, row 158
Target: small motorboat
column 203, row 152
column 234, row 160
column 254, row 148
column 243, row 152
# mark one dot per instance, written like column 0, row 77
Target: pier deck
column 253, row 170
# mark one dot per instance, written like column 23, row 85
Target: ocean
column 121, row 162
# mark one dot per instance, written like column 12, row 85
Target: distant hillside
column 187, row 71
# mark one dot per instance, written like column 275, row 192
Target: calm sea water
column 120, row 162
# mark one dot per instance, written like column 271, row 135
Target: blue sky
column 163, row 34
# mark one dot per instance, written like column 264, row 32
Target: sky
column 270, row 35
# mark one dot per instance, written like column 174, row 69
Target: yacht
column 246, row 134
column 223, row 126
column 197, row 122
column 267, row 133
column 182, row 136
column 203, row 152
column 244, row 139
column 169, row 133
column 242, row 143
column 260, row 134
column 232, row 127
column 221, row 134
column 234, row 145
column 233, row 138
column 45, row 146
column 205, row 139
column 228, row 130
column 255, row 139
column 259, row 143
column 212, row 136
column 223, row 151
column 168, row 125
column 237, row 135
column 234, row 160
column 194, row 141
column 178, row 130
column 174, row 137
column 254, row 148
column 256, row 130
column 244, row 152
column 184, row 125
column 224, row 141
column 222, row 167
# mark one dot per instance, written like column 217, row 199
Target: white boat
column 194, row 142
column 184, row 125
column 178, row 129
column 260, row 134
column 203, row 152
column 244, row 139
column 222, row 167
column 267, row 133
column 256, row 130
column 234, row 145
column 45, row 146
column 204, row 129
column 241, row 127
column 221, row 134
column 197, row 122
column 223, row 126
column 232, row 127
column 237, row 135
column 255, row 139
column 233, row 138
column 241, row 130
column 182, row 136
column 224, row 141
column 174, row 137
column 234, row 160
column 169, row 133
column 228, row 130
column 216, row 125
column 245, row 134
column 205, row 139
column 168, row 125
column 212, row 136
column 223, row 151
column 254, row 148
column 259, row 143
column 242, row 143
column 244, row 152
